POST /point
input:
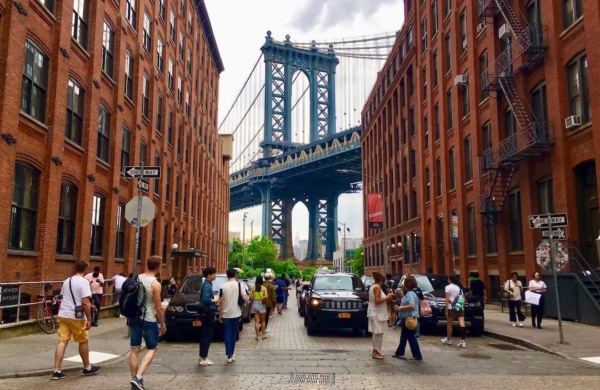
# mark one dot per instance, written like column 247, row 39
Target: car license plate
column 197, row 323
column 343, row 315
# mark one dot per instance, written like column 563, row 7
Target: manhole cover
column 334, row 350
column 506, row 347
column 475, row 356
column 312, row 379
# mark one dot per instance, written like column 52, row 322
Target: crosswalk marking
column 594, row 359
column 95, row 357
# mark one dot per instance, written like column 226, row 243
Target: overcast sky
column 240, row 28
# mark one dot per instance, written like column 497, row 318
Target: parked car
column 181, row 316
column 301, row 293
column 367, row 281
column 433, row 290
column 336, row 300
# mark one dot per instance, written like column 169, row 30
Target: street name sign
column 558, row 233
column 542, row 221
column 149, row 172
column 143, row 185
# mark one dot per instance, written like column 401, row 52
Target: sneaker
column 446, row 341
column 230, row 359
column 462, row 344
column 520, row 324
column 233, row 357
column 57, row 375
column 92, row 371
column 205, row 362
column 514, row 324
column 137, row 383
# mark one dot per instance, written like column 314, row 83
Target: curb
column 526, row 343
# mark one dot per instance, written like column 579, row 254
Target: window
column 463, row 30
column 170, row 75
column 434, row 18
column 190, row 22
column 438, row 177
column 170, row 128
column 405, row 207
column 484, row 81
column 143, row 153
column 509, row 123
column 121, row 224
column 404, row 170
column 492, row 246
column 468, row 161
column 49, row 4
column 413, row 163
column 177, row 191
column 464, row 91
column 125, row 148
column 435, row 69
column 572, row 10
column 161, row 9
column 79, row 30
column 189, row 61
column 577, row 82
column 426, row 132
column 545, row 195
column 159, row 113
column 424, row 83
column 179, row 139
column 156, row 181
column 448, row 53
column 75, row 103
column 168, row 185
column 539, row 103
column 35, row 82
column 160, row 60
column 181, row 44
column 172, row 25
column 97, row 225
column 424, row 35
column 451, row 169
column 516, row 226
column 23, row 218
column 411, row 118
column 179, row 90
column 67, row 216
column 131, row 13
column 471, row 229
column 447, row 7
column 103, row 146
column 409, row 39
column 414, row 204
column 182, row 7
column 486, row 143
column 185, row 191
column 436, row 115
column 147, row 34
column 449, row 116
column 411, row 85
column 129, row 75
column 108, row 48
column 145, row 95
column 427, row 185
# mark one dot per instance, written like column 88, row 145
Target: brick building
column 481, row 117
column 88, row 88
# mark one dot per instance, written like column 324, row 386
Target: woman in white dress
column 377, row 313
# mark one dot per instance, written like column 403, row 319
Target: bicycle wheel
column 45, row 320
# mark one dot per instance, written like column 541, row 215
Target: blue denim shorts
column 147, row 330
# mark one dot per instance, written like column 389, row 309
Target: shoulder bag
column 203, row 309
column 78, row 308
column 240, row 298
column 411, row 322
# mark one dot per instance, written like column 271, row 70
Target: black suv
column 181, row 315
column 433, row 290
column 336, row 300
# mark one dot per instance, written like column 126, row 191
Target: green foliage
column 259, row 254
column 358, row 261
column 308, row 273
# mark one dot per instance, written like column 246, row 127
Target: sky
column 240, row 28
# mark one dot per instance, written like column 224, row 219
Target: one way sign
column 149, row 172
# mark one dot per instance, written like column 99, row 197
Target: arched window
column 67, row 217
column 23, row 219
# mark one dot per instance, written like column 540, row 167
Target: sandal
column 265, row 336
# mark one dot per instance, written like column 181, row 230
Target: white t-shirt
column 454, row 291
column 540, row 284
column 230, row 292
column 516, row 289
column 96, row 282
column 81, row 289
column 119, row 280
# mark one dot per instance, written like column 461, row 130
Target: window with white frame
column 79, row 29
column 131, row 13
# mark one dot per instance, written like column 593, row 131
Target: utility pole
column 244, row 237
column 251, row 230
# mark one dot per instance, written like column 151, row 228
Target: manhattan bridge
column 296, row 127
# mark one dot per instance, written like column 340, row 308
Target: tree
column 308, row 273
column 358, row 261
column 235, row 256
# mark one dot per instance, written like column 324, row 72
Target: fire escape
column 524, row 49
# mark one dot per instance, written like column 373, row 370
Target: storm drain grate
column 506, row 347
column 312, row 379
column 474, row 356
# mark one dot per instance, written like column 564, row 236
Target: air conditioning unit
column 572, row 121
column 504, row 31
column 480, row 27
column 461, row 79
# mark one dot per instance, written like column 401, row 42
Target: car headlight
column 174, row 308
column 315, row 302
column 432, row 303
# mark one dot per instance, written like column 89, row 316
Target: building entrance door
column 439, row 238
column 587, row 211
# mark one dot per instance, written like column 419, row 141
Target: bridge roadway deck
column 269, row 364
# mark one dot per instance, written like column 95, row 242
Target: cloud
column 331, row 13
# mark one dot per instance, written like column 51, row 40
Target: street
column 344, row 358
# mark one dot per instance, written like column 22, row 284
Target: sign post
column 553, row 262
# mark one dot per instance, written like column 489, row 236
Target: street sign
column 149, row 172
column 143, row 185
column 558, row 233
column 147, row 214
column 541, row 220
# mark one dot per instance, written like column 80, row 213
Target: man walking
column 230, row 311
column 271, row 301
column 147, row 325
column 75, row 319
column 118, row 283
column 279, row 292
column 208, row 318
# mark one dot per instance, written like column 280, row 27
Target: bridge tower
column 282, row 61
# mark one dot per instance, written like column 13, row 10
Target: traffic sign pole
column 553, row 262
column 137, row 225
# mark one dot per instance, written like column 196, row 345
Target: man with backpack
column 207, row 315
column 280, row 290
column 150, row 324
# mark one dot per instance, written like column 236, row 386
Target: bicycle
column 46, row 313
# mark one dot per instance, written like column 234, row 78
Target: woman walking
column 409, row 307
column 515, row 289
column 377, row 313
column 454, row 310
column 537, row 286
column 259, row 296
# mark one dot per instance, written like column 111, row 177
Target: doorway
column 439, row 237
column 587, row 210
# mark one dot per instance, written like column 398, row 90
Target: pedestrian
column 75, row 319
column 271, row 299
column 208, row 318
column 149, row 326
column 279, row 293
column 454, row 310
column 118, row 283
column 408, row 307
column 286, row 289
column 173, row 284
column 230, row 311
column 478, row 289
column 388, row 287
column 377, row 313
column 259, row 296
column 537, row 286
column 96, row 280
column 515, row 289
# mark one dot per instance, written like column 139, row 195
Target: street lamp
column 244, row 237
column 344, row 245
column 385, row 235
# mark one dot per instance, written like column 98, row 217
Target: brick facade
column 389, row 140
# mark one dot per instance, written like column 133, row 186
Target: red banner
column 375, row 211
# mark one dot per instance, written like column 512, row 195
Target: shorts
column 279, row 299
column 70, row 327
column 147, row 330
column 454, row 314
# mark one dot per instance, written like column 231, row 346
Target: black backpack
column 132, row 302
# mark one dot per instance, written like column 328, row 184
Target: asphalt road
column 340, row 357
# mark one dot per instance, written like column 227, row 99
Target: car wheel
column 311, row 330
column 477, row 329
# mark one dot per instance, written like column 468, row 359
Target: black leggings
column 537, row 311
column 512, row 306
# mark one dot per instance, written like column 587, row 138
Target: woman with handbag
column 537, row 286
column 259, row 309
column 514, row 288
column 377, row 313
column 409, row 314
